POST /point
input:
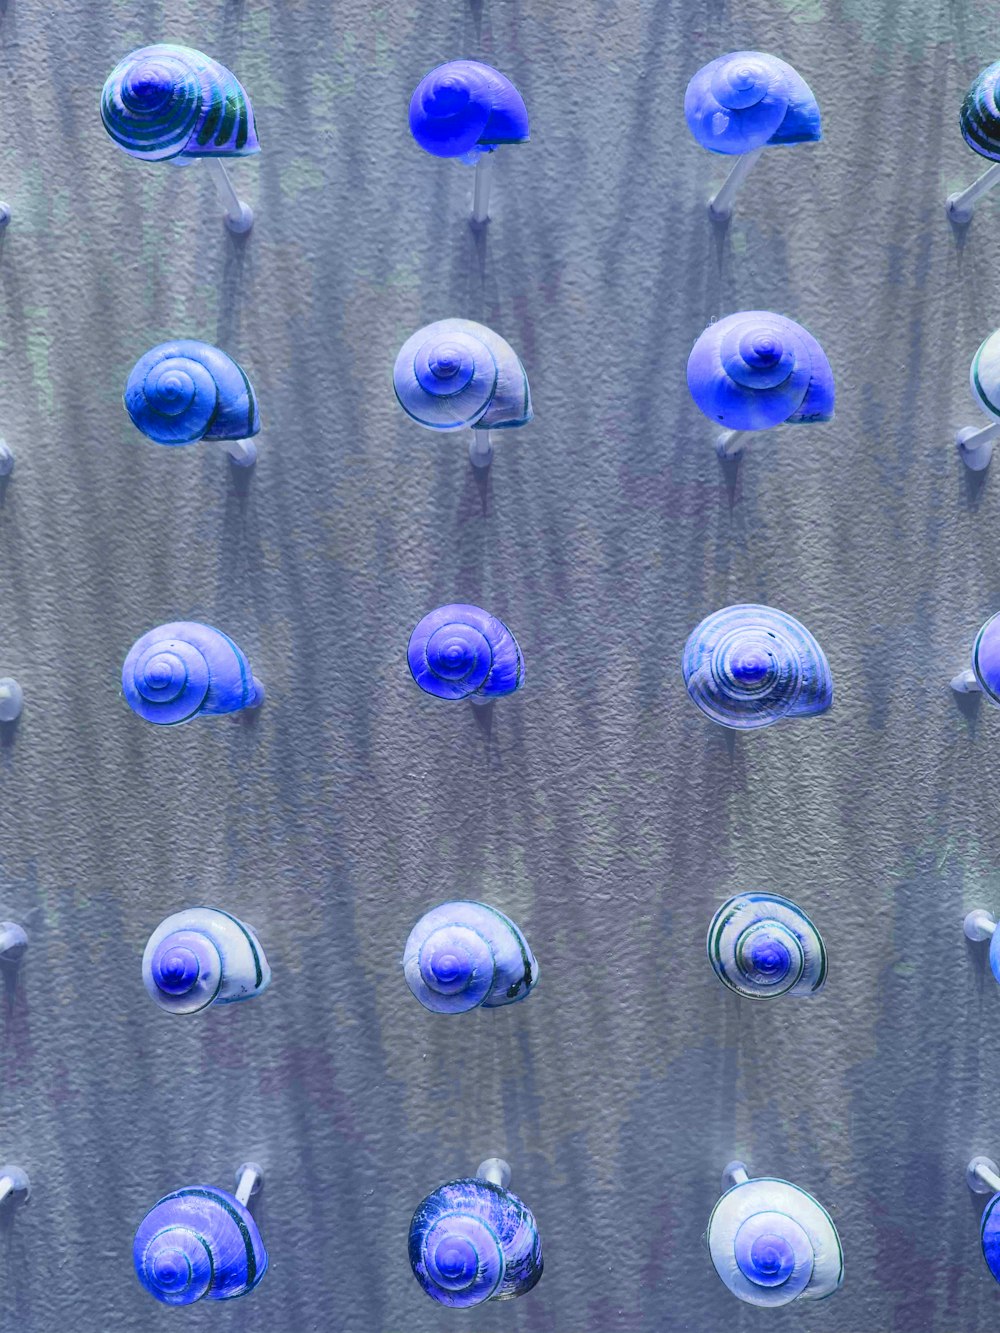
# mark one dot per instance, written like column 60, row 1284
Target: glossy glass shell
column 460, row 650
column 456, row 373
column 170, row 101
column 185, row 391
column 772, row 1243
column 184, row 669
column 980, row 114
column 471, row 1241
column 200, row 957
column 198, row 1242
column 986, row 659
column 748, row 99
column 762, row 946
column 755, row 369
column 984, row 376
column 463, row 108
column 464, row 954
column 749, row 666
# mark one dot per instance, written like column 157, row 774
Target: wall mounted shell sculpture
column 464, row 954
column 203, row 956
column 462, row 652
column 982, row 1175
column 186, row 391
column 183, row 670
column 975, row 444
column 473, row 1240
column 464, row 108
column 749, row 666
column 772, row 1243
column 747, row 100
column 762, row 946
column 980, row 123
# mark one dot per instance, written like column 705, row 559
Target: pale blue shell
column 980, row 114
column 762, row 946
column 460, row 650
column 755, row 369
column 464, row 954
column 984, row 376
column 457, row 373
column 472, row 1241
column 464, row 108
column 749, row 666
column 182, row 670
column 747, row 99
column 185, row 391
column 174, row 102
column 198, row 1242
column 203, row 956
column 772, row 1243
column 986, row 665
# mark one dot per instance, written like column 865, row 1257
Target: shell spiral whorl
column 761, row 945
column 177, row 671
column 980, row 114
column 456, row 373
column 198, row 1242
column 464, row 108
column 459, row 650
column 185, row 391
column 170, row 101
column 748, row 99
column 203, row 956
column 464, row 954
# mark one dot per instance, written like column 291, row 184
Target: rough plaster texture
column 598, row 808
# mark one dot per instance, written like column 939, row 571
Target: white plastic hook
column 979, row 925
column 720, row 206
column 731, row 443
column 481, row 448
column 982, row 1176
column 734, row 1173
column 481, row 194
column 11, row 699
column 13, row 941
column 6, row 454
column 961, row 205
column 238, row 215
column 14, row 1182
column 249, row 1181
column 495, row 1170
column 975, row 445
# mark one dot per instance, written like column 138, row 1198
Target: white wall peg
column 14, row 1183
column 11, row 699
column 13, row 941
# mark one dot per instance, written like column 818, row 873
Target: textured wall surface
column 598, row 808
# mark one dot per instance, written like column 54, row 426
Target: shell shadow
column 9, row 969
column 977, row 953
column 729, row 467
column 483, row 713
column 972, row 485
column 959, row 231
column 4, row 483
column 8, row 733
column 969, row 705
column 240, row 479
column 720, row 235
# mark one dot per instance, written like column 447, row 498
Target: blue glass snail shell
column 749, row 666
column 174, row 102
column 460, row 650
column 762, row 945
column 755, row 369
column 772, row 1243
column 986, row 659
column 465, row 108
column 198, row 1242
column 984, row 375
column 980, row 114
column 185, row 391
column 182, row 670
column 457, row 373
column 203, row 956
column 747, row 99
column 989, row 1231
column 472, row 1241
column 464, row 954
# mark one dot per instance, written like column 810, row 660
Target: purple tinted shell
column 198, row 1242
column 986, row 659
column 747, row 99
column 464, row 106
column 180, row 670
column 459, row 650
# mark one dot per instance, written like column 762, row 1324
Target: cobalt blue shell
column 464, row 954
column 755, row 369
column 980, row 114
column 986, row 660
column 460, row 650
column 456, row 373
column 747, row 99
column 181, row 670
column 185, row 391
column 990, row 1228
column 762, row 945
column 749, row 666
column 464, row 108
column 174, row 102
column 198, row 1242
column 472, row 1241
column 203, row 956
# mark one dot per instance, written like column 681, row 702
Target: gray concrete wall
column 598, row 808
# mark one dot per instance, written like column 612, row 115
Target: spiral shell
column 772, row 1243
column 200, row 957
column 748, row 666
column 984, row 376
column 761, row 946
column 464, row 108
column 755, row 369
column 472, row 1241
column 197, row 1242
column 989, row 1231
column 174, row 102
column 747, row 99
column 457, row 373
column 178, row 671
column 986, row 660
column 459, row 650
column 185, row 391
column 980, row 114
column 464, row 954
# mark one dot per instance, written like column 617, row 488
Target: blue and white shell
column 748, row 666
column 472, row 1241
column 980, row 114
column 185, row 391
column 174, row 102
column 772, row 1243
column 754, row 370
column 747, row 100
column 464, row 954
column 456, row 373
column 465, row 108
column 183, row 670
column 200, row 957
column 984, row 376
column 989, row 1230
column 986, row 661
column 762, row 945
column 198, row 1242
column 459, row 650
